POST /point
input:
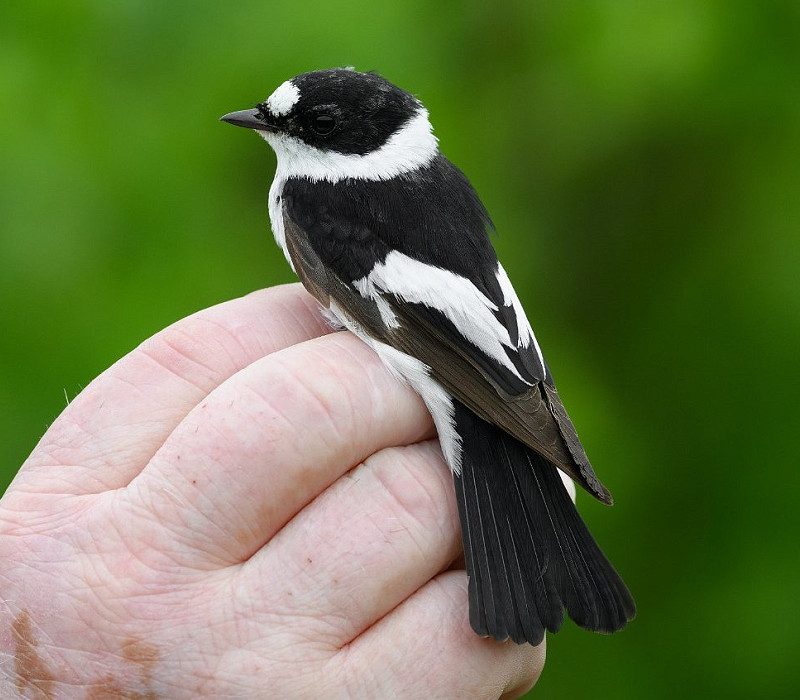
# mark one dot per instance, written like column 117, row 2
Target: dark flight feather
column 530, row 416
column 528, row 553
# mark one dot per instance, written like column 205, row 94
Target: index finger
column 110, row 431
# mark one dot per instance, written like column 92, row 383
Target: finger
column 110, row 431
column 267, row 442
column 363, row 546
column 442, row 656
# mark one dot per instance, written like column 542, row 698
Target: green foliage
column 640, row 161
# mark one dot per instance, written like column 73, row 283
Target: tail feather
column 528, row 554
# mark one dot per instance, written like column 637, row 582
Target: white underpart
column 417, row 374
column 332, row 319
column 524, row 330
column 411, row 147
column 462, row 303
column 283, row 99
column 276, row 217
column 569, row 484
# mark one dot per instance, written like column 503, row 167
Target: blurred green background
column 640, row 160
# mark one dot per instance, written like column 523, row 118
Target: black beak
column 248, row 118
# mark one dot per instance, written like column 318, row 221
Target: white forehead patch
column 283, row 99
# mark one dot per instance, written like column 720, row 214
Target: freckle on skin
column 31, row 671
column 144, row 655
column 141, row 653
column 110, row 689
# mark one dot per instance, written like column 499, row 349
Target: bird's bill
column 248, row 118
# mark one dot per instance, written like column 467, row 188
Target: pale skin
column 247, row 505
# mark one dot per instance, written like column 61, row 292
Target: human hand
column 193, row 525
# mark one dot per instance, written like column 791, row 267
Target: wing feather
column 509, row 395
column 536, row 417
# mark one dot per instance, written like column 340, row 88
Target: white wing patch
column 283, row 99
column 524, row 330
column 417, row 374
column 367, row 290
column 462, row 303
column 411, row 147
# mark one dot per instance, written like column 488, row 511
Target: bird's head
column 332, row 124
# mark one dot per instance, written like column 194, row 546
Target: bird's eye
column 323, row 124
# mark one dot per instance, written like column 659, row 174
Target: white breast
column 276, row 215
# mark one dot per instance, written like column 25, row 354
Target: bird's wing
column 468, row 328
column 535, row 416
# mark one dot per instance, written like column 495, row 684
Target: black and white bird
column 393, row 241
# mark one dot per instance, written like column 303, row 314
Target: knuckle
column 414, row 479
column 187, row 347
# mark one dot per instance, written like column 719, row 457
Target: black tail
column 528, row 553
